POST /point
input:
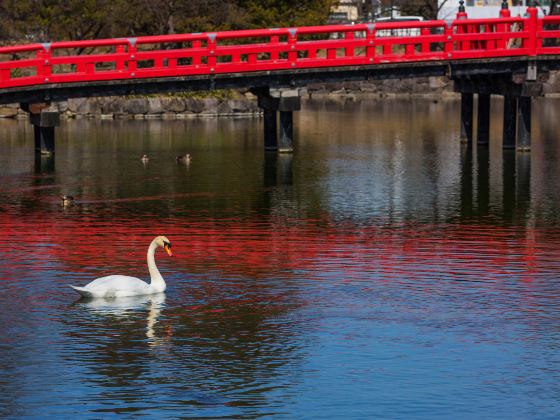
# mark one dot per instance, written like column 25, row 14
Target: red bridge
column 503, row 56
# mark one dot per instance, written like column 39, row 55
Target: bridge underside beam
column 498, row 86
column 507, row 68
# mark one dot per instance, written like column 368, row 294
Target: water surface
column 382, row 271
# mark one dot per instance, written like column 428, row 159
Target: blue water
column 382, row 271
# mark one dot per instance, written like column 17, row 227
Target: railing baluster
column 349, row 51
column 274, row 40
column 196, row 58
column 409, row 50
column 119, row 65
column 425, row 45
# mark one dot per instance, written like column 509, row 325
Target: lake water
column 382, row 271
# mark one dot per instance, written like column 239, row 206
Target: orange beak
column 168, row 250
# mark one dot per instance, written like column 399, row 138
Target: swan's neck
column 157, row 284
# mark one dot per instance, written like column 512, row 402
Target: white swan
column 121, row 286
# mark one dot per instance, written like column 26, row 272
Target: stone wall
column 157, row 107
column 421, row 86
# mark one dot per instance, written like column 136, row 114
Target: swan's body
column 121, row 286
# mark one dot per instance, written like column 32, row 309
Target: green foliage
column 280, row 13
column 53, row 20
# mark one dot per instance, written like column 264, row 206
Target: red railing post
column 44, row 69
column 539, row 35
column 292, row 41
column 448, row 45
column 461, row 12
column 211, row 47
column 462, row 29
column 503, row 28
column 370, row 38
column 132, row 64
column 532, row 20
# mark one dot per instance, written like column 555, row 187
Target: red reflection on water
column 257, row 248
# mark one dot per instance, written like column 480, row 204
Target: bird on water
column 116, row 286
column 66, row 200
column 186, row 158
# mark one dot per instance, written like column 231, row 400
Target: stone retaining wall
column 244, row 103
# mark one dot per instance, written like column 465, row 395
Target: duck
column 144, row 158
column 186, row 158
column 66, row 200
column 118, row 286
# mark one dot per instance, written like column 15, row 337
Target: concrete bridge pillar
column 283, row 102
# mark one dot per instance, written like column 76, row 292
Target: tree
column 53, row 20
column 428, row 9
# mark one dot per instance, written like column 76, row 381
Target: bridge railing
column 187, row 55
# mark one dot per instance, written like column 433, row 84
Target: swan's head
column 164, row 243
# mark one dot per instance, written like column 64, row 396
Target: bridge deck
column 476, row 71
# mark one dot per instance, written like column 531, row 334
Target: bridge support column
column 270, row 130
column 466, row 117
column 518, row 89
column 483, row 119
column 44, row 123
column 524, row 123
column 286, row 144
column 510, row 122
column 283, row 102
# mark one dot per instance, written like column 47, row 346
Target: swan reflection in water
column 128, row 307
